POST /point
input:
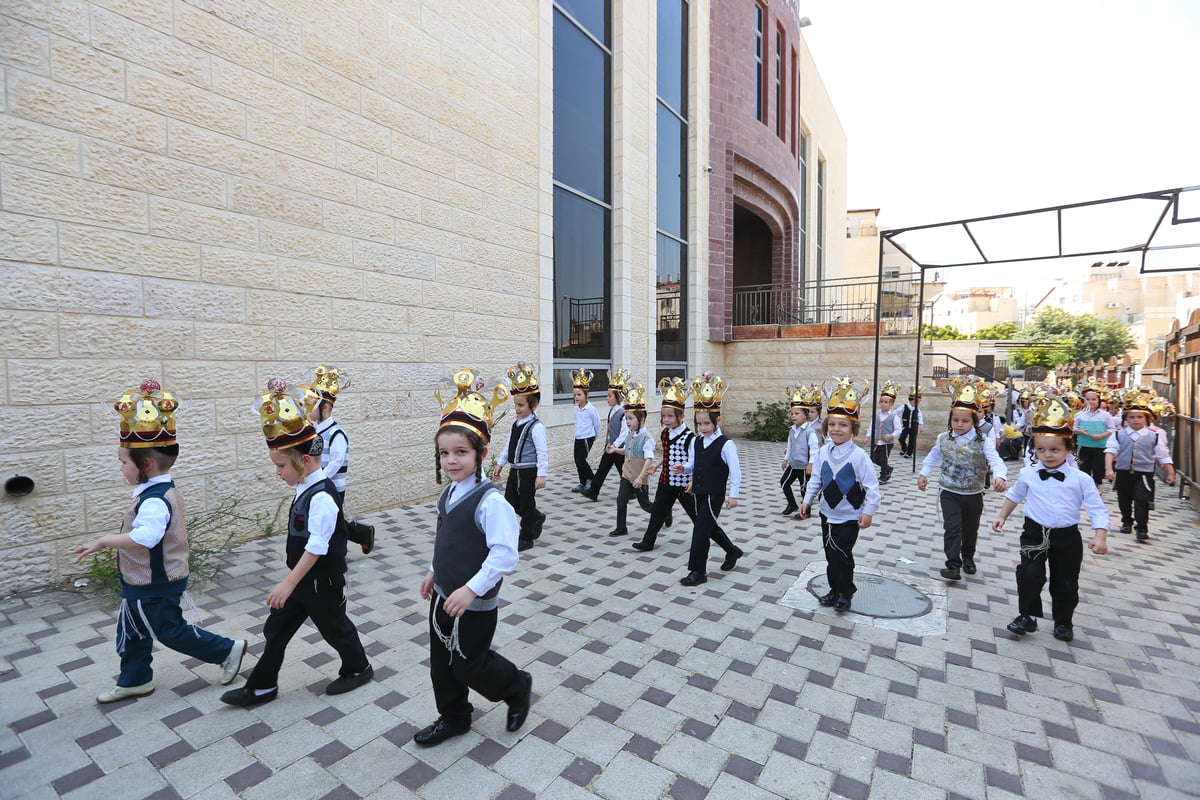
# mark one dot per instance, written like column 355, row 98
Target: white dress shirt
column 153, row 517
column 728, row 455
column 496, row 518
column 322, row 514
column 1055, row 503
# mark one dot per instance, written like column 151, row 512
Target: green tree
column 948, row 332
column 1057, row 336
column 999, row 332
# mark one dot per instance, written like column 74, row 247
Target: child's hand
column 88, row 549
column 688, row 488
column 427, row 586
column 808, row 470
column 864, row 520
column 1171, row 478
column 608, row 448
column 999, row 485
column 804, row 511
column 456, row 604
column 731, row 502
column 1099, row 545
column 637, row 482
column 998, row 524
column 1109, row 475
column 280, row 594
column 496, row 473
column 922, row 482
column 540, row 483
column 784, row 467
column 677, row 469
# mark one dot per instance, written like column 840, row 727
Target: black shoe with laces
column 1126, row 527
column 951, row 574
column 827, row 599
column 618, row 532
column 731, row 560
column 968, row 566
column 1022, row 625
column 440, row 731
column 643, row 546
column 790, row 510
column 842, row 603
column 1064, row 633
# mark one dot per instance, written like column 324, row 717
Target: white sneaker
column 125, row 692
column 232, row 664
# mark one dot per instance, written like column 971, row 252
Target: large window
column 760, row 99
column 582, row 189
column 672, row 136
column 779, row 104
column 802, row 244
column 819, row 222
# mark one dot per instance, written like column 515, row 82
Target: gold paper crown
column 804, row 396
column 972, row 393
column 1138, row 401
column 469, row 408
column 844, row 398
column 523, row 378
column 618, row 380
column 916, row 393
column 581, row 378
column 707, row 390
column 1054, row 415
column 147, row 416
column 326, row 384
column 674, row 392
column 284, row 423
column 890, row 389
column 635, row 397
column 1161, row 407
column 1091, row 386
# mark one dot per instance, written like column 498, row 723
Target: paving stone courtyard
column 646, row 689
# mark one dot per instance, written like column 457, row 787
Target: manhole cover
column 880, row 597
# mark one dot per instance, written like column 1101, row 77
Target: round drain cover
column 880, row 597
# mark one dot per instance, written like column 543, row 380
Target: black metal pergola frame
column 1170, row 199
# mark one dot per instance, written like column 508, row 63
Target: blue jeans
column 167, row 624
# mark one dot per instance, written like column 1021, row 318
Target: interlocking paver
column 645, row 689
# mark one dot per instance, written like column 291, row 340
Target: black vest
column 710, row 472
column 334, row 560
column 460, row 547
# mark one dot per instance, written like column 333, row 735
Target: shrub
column 768, row 422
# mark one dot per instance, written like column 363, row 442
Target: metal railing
column 827, row 301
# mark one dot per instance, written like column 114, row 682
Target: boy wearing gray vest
column 1131, row 456
column 526, row 452
column 882, row 431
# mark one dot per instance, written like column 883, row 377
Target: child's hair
column 476, row 442
column 713, row 416
column 534, row 398
column 295, row 454
column 640, row 415
column 163, row 458
column 976, row 420
column 617, row 393
column 322, row 405
column 1069, row 441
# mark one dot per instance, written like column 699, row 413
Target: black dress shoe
column 344, row 683
column 1126, row 528
column 1143, row 536
column 790, row 510
column 440, row 731
column 842, row 603
column 694, row 579
column 578, row 489
column 643, row 546
column 951, row 574
column 524, row 544
column 537, row 525
column 731, row 560
column 827, row 599
column 368, row 534
column 1022, row 625
column 1064, row 633
column 669, row 520
column 591, row 494
column 969, row 566
column 518, row 708
column 618, row 532
column 245, row 698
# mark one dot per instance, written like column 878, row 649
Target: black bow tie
column 1045, row 473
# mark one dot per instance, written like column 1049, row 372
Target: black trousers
column 607, row 461
column 582, row 448
column 880, row 454
column 625, row 492
column 960, row 521
column 664, row 498
column 1091, row 462
column 323, row 600
column 838, row 539
column 790, row 476
column 908, row 440
column 1135, row 492
column 1064, row 556
column 519, row 492
column 706, row 529
column 473, row 665
column 355, row 531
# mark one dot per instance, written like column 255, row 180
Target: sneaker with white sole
column 125, row 693
column 232, row 664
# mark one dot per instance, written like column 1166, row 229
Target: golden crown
column 844, row 398
column 674, row 392
column 581, row 378
column 325, row 385
column 1161, row 407
column 1092, row 385
column 284, row 422
column 972, row 393
column 916, row 393
column 635, row 397
column 469, row 407
column 1054, row 415
column 804, row 396
column 707, row 390
column 147, row 416
column 1140, row 402
column 890, row 389
column 618, row 379
column 523, row 377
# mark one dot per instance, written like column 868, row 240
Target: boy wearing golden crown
column 882, row 431
column 637, row 457
column 676, row 440
column 587, row 427
column 475, row 547
column 152, row 551
column 1131, row 456
column 1053, row 493
column 912, row 422
column 615, row 432
column 527, row 452
column 315, row 554
column 802, row 444
column 964, row 455
column 845, row 480
column 319, row 397
column 1093, row 426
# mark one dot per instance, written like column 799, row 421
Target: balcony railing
column 839, row 301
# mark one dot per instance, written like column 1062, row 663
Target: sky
column 973, row 107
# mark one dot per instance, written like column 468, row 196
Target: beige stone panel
column 114, row 165
column 392, row 290
column 41, row 518
column 389, row 200
column 305, row 176
column 103, row 378
column 333, row 346
column 339, row 22
column 26, row 334
column 214, row 35
column 259, row 91
column 102, row 336
column 46, row 101
column 86, row 67
column 415, row 376
column 130, row 253
column 306, row 244
column 105, row 509
column 156, row 14
column 211, row 149
column 31, row 565
column 314, row 79
column 270, row 200
column 257, row 18
column 293, row 312
column 394, row 260
column 280, row 134
column 178, row 220
column 440, row 215
column 461, row 196
column 376, row 317
column 45, row 468
column 182, row 300
column 123, row 37
column 46, row 289
column 208, row 380
column 24, row 46
column 308, row 277
column 385, row 346
column 348, row 125
column 65, row 17
column 358, row 223
column 48, row 195
column 204, row 453
column 26, row 430
column 237, row 412
column 30, row 239
column 408, row 178
column 238, row 268
column 448, row 244
column 336, row 56
column 399, row 118
column 180, row 100
column 357, row 161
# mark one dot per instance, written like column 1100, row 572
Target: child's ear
column 485, row 451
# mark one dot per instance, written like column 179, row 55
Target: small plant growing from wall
column 768, row 422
